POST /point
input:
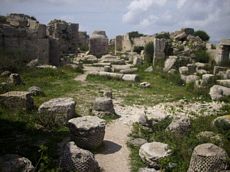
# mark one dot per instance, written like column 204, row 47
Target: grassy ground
column 182, row 147
column 21, row 130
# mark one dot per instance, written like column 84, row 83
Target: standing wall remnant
column 223, row 53
column 25, row 33
column 63, row 39
column 37, row 41
column 118, row 43
column 159, row 49
column 98, row 43
column 83, row 41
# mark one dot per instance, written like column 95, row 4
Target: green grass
column 164, row 88
column 182, row 147
column 21, row 130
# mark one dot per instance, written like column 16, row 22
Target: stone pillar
column 159, row 49
column 98, row 43
column 118, row 43
column 208, row 158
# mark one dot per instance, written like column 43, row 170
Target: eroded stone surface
column 88, row 131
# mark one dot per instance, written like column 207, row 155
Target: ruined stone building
column 83, row 40
column 38, row 41
column 98, row 43
column 124, row 43
column 223, row 53
column 63, row 39
column 25, row 33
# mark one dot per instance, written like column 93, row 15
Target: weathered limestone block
column 208, row 79
column 5, row 73
column 103, row 106
column 223, row 50
column 77, row 159
column 200, row 66
column 89, row 59
column 108, row 74
column 15, row 79
column 136, row 142
column 208, row 158
column 153, row 152
column 118, row 68
column 218, row 69
column 210, row 137
column 180, row 125
column 189, row 79
column 35, row 91
column 225, row 82
column 15, row 163
column 183, row 70
column 98, row 43
column 87, row 132
column 112, row 59
column 147, row 170
column 170, row 63
column 159, row 48
column 145, row 85
column 129, row 71
column 191, row 68
column 218, row 92
column 118, row 43
column 59, row 110
column 18, row 20
column 131, row 77
column 107, row 69
column 17, row 100
column 222, row 122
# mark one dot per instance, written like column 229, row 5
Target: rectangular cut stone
column 21, row 100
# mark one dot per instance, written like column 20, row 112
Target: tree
column 149, row 49
column 202, row 34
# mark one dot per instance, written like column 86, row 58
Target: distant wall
column 124, row 43
column 37, row 41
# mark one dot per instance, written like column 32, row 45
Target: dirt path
column 114, row 157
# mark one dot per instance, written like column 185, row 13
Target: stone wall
column 223, row 53
column 142, row 41
column 63, row 39
column 25, row 33
column 124, row 43
column 98, row 43
column 159, row 48
column 118, row 43
column 37, row 41
column 83, row 40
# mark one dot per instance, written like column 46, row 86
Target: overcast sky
column 121, row 16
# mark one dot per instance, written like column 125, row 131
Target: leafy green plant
column 202, row 56
column 202, row 34
column 149, row 50
column 164, row 35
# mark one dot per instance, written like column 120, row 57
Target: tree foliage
column 202, row 34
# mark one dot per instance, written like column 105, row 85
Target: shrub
column 138, row 49
column 164, row 35
column 149, row 50
column 202, row 34
column 202, row 56
column 135, row 34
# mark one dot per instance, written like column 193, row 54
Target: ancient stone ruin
column 223, row 54
column 98, row 43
